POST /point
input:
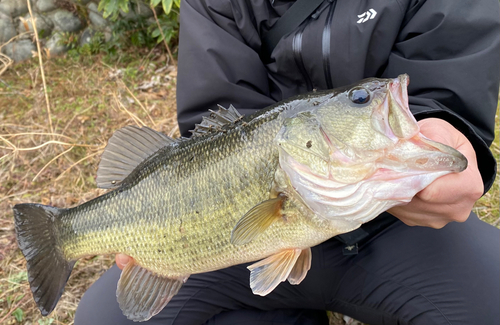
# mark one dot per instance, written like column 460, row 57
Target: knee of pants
column 270, row 317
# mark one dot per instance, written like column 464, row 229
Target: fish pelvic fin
column 257, row 220
column 48, row 268
column 142, row 294
column 299, row 270
column 267, row 274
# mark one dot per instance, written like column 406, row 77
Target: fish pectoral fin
column 142, row 294
column 257, row 220
column 268, row 273
column 299, row 270
column 126, row 149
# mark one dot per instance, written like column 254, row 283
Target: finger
column 122, row 260
column 419, row 213
column 454, row 188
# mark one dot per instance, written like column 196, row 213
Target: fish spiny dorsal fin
column 257, row 220
column 268, row 273
column 142, row 294
column 126, row 149
column 216, row 120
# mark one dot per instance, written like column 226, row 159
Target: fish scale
column 264, row 187
column 218, row 211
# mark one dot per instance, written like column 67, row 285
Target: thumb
column 122, row 260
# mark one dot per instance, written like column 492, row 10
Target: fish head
column 361, row 151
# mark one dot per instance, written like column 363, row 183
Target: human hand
column 122, row 260
column 448, row 198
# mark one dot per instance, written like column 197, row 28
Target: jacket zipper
column 325, row 45
column 297, row 55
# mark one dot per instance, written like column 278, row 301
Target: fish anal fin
column 142, row 294
column 126, row 149
column 257, row 220
column 299, row 270
column 268, row 273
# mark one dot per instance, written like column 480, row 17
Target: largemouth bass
column 264, row 188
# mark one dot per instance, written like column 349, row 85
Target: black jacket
column 450, row 49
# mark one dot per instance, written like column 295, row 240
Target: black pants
column 403, row 275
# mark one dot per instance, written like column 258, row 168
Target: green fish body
column 264, row 187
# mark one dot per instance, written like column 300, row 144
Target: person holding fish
column 430, row 261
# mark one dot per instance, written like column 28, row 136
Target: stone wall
column 53, row 18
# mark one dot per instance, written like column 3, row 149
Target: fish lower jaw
column 362, row 201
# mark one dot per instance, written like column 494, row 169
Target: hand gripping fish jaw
column 352, row 161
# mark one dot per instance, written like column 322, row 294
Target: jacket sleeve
column 451, row 50
column 217, row 63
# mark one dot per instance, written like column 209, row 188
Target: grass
column 90, row 98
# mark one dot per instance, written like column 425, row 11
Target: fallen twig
column 140, row 104
column 136, row 119
column 172, row 60
column 76, row 163
column 40, row 60
column 47, row 164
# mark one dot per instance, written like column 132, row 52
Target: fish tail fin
column 48, row 269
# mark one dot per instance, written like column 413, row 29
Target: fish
column 262, row 188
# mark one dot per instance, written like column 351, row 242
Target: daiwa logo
column 365, row 16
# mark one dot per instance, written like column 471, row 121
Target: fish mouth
column 412, row 151
column 429, row 155
column 399, row 89
column 436, row 156
column 393, row 117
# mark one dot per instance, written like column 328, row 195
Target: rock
column 54, row 45
column 20, row 50
column 139, row 9
column 7, row 29
column 90, row 31
column 86, row 36
column 65, row 21
column 129, row 15
column 143, row 10
column 95, row 16
column 13, row 8
column 108, row 34
column 43, row 25
column 46, row 5
column 82, row 2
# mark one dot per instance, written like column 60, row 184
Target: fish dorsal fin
column 142, row 294
column 216, row 120
column 126, row 149
column 257, row 220
column 268, row 273
column 301, row 267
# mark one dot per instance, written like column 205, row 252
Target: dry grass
column 488, row 207
column 89, row 100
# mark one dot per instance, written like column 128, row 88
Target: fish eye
column 359, row 96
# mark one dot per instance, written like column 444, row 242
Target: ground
column 50, row 154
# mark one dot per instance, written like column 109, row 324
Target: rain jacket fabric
column 450, row 50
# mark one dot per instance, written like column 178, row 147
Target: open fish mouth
column 357, row 181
